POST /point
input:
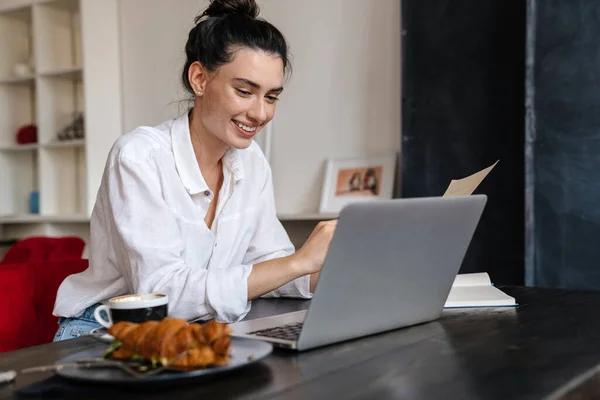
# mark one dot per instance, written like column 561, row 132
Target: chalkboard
column 565, row 143
column 463, row 88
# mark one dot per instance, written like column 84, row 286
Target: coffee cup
column 133, row 308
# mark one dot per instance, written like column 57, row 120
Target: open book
column 476, row 290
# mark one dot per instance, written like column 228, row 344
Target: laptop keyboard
column 285, row 332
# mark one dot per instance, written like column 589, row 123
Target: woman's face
column 238, row 99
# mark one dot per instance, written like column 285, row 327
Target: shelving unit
column 18, row 148
column 46, row 36
column 18, row 165
column 64, row 83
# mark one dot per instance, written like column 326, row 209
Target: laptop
column 391, row 264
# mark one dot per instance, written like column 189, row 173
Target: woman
column 354, row 182
column 186, row 208
column 371, row 182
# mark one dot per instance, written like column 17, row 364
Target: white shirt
column 148, row 233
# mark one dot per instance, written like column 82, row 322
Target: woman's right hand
column 311, row 257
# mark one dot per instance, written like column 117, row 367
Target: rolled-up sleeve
column 149, row 248
column 270, row 241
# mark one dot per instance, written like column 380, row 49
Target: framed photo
column 358, row 179
column 263, row 139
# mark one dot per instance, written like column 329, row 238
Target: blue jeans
column 71, row 328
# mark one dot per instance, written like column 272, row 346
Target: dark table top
column 498, row 353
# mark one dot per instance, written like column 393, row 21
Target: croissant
column 160, row 342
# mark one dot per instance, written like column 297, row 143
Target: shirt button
column 215, row 245
column 207, row 193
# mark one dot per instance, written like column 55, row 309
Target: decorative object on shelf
column 75, row 130
column 27, row 134
column 357, row 179
column 34, row 202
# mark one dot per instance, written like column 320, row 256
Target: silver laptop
column 390, row 264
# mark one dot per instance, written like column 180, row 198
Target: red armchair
column 39, row 248
column 27, row 295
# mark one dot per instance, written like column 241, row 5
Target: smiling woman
column 186, row 208
column 246, row 89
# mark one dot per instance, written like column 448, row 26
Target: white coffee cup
column 133, row 308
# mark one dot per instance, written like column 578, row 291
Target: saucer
column 101, row 334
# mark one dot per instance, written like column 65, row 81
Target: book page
column 466, row 186
column 476, row 279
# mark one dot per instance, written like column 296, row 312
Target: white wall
column 153, row 36
column 343, row 99
column 103, row 108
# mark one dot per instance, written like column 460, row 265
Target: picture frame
column 263, row 139
column 357, row 179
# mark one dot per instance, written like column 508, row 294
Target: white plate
column 102, row 334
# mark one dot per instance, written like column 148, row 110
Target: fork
column 154, row 371
column 100, row 362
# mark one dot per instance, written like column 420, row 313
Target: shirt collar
column 185, row 159
column 233, row 162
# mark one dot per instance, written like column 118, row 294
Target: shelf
column 9, row 6
column 307, row 217
column 27, row 218
column 36, row 218
column 34, row 146
column 18, row 80
column 72, row 73
column 82, row 218
column 64, row 144
column 19, row 147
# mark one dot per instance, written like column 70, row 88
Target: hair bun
column 222, row 8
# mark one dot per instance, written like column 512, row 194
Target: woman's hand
column 311, row 257
column 271, row 274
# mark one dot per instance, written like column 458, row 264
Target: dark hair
column 224, row 27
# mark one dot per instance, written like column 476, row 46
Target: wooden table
column 504, row 353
